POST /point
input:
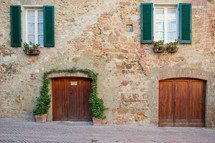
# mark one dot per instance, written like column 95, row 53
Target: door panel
column 197, row 101
column 180, row 101
column 166, row 103
column 73, row 98
column 186, row 98
column 59, row 106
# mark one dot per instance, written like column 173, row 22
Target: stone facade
column 91, row 34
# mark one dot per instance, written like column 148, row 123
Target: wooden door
column 182, row 102
column 78, row 97
column 71, row 99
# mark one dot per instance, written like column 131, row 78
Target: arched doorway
column 70, row 99
column 182, row 102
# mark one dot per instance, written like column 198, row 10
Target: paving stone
column 22, row 131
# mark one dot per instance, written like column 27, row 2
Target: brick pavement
column 21, row 131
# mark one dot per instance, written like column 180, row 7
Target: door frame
column 174, row 81
column 172, row 72
column 61, row 75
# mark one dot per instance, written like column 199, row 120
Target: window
column 34, row 26
column 165, row 23
column 37, row 25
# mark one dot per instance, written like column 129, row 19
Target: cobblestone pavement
column 20, row 131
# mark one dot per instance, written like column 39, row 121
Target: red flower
column 167, row 52
column 178, row 39
column 161, row 44
column 40, row 47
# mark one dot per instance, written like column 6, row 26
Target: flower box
column 32, row 52
column 31, row 49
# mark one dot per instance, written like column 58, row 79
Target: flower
column 178, row 39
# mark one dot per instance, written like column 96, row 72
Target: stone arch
column 67, row 74
column 181, row 73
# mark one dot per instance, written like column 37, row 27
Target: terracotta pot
column 156, row 48
column 36, row 51
column 97, row 121
column 40, row 118
column 161, row 48
column 27, row 50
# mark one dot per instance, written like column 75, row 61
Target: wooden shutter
column 15, row 25
column 185, row 18
column 48, row 26
column 146, row 23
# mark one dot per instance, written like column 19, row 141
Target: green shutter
column 15, row 25
column 146, row 23
column 48, row 26
column 185, row 18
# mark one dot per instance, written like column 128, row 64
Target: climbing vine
column 43, row 102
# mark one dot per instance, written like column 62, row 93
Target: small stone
column 97, row 31
column 124, row 83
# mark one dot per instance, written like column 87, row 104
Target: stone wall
column 91, row 34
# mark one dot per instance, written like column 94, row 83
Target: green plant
column 26, row 45
column 43, row 102
column 158, row 44
column 34, row 46
column 171, row 45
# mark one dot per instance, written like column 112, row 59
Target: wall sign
column 74, row 83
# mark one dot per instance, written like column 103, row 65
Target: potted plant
column 158, row 47
column 43, row 103
column 172, row 47
column 97, row 110
column 31, row 49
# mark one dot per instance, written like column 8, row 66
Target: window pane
column 159, row 26
column 40, row 16
column 40, row 40
column 159, row 11
column 31, row 16
column 31, row 38
column 40, row 28
column 171, row 26
column 171, row 36
column 171, row 12
column 31, row 28
column 159, row 36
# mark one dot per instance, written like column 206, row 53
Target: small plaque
column 74, row 83
column 129, row 27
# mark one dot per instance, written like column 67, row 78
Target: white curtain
column 31, row 26
column 40, row 27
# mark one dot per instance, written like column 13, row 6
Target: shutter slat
column 48, row 26
column 15, row 25
column 185, row 18
column 146, row 23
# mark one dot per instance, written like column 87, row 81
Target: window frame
column 24, row 21
column 166, row 6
